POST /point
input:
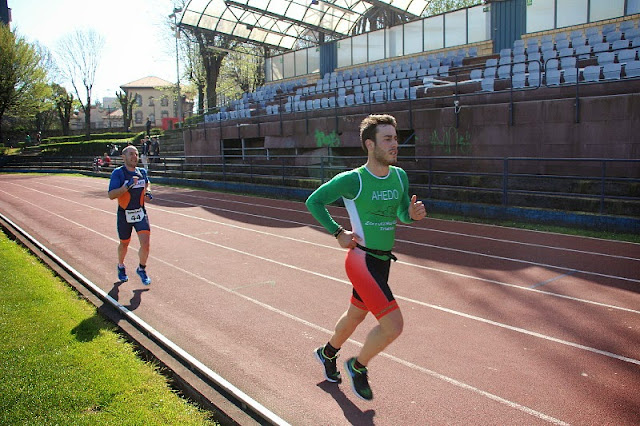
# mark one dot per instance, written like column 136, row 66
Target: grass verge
column 62, row 363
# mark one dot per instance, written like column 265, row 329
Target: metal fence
column 594, row 185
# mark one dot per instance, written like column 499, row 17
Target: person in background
column 106, row 160
column 375, row 195
column 130, row 185
column 144, row 156
column 148, row 125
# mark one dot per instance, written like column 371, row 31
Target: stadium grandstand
column 504, row 78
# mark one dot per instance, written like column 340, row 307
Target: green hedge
column 93, row 137
column 83, row 148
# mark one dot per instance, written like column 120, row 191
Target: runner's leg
column 143, row 253
column 388, row 329
column 346, row 325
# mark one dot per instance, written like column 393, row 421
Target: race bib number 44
column 135, row 215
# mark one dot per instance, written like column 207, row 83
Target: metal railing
column 595, row 185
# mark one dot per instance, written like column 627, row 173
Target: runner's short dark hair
column 369, row 127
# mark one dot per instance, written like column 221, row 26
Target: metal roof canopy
column 280, row 24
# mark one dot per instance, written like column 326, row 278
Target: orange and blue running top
column 134, row 197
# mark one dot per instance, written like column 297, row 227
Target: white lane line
column 545, row 282
column 317, row 327
column 333, row 247
column 436, row 307
column 401, row 225
column 471, row 253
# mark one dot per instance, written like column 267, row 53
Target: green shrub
column 81, row 148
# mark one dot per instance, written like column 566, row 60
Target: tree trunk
column 87, row 117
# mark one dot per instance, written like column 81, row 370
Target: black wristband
column 338, row 232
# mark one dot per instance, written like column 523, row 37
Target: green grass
column 62, row 363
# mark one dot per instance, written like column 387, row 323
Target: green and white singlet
column 374, row 204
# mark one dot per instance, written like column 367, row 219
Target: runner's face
column 130, row 158
column 385, row 151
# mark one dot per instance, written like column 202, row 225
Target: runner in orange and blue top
column 375, row 195
column 130, row 185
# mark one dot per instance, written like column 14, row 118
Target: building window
column 165, row 114
column 164, row 101
column 138, row 117
column 151, row 101
column 139, row 100
column 152, row 118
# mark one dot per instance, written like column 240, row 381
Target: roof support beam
column 283, row 18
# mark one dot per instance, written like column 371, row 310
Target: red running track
column 502, row 326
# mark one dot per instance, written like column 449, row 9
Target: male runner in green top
column 375, row 195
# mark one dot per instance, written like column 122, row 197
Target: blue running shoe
column 359, row 380
column 143, row 276
column 122, row 275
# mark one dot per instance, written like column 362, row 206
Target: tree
column 64, row 106
column 213, row 49
column 80, row 53
column 23, row 82
column 127, row 101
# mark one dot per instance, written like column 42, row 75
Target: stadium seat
column 632, row 33
column 595, row 39
column 552, row 64
column 568, row 62
column 627, row 25
column 534, row 56
column 549, row 54
column 578, row 41
column 504, row 71
column 576, row 33
column 600, row 47
column 547, row 46
column 350, row 100
column 571, row 75
column 612, row 36
column 476, row 74
column 583, row 52
column 533, row 79
column 491, row 62
column 620, row 44
column 567, row 51
column 632, row 69
column 400, row 94
column 562, row 44
column 606, row 58
column 489, row 72
column 591, row 73
column 608, row 28
column 612, row 71
column 519, row 68
column 591, row 31
column 518, row 81
column 552, row 77
column 324, row 102
column 487, row 84
column 626, row 55
column 517, row 51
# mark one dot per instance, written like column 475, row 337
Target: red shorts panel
column 369, row 277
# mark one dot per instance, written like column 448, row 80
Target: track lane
column 263, row 291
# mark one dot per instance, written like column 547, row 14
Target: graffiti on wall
column 323, row 139
column 451, row 140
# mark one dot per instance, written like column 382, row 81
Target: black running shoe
column 331, row 372
column 359, row 380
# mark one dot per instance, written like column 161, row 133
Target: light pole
column 175, row 24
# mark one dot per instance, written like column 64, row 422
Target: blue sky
column 145, row 48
